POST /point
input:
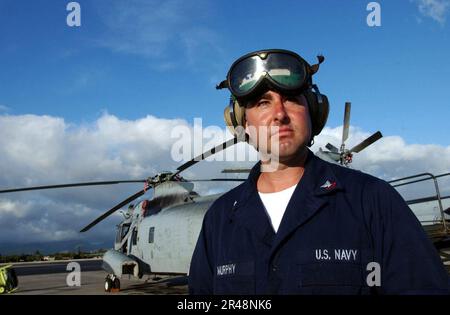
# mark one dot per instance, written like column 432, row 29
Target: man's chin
column 291, row 154
column 286, row 152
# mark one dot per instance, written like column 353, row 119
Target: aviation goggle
column 283, row 70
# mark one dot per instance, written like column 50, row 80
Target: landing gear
column 112, row 284
column 116, row 284
column 108, row 285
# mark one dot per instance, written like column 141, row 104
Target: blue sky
column 163, row 58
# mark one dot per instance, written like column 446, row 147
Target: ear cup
column 234, row 116
column 239, row 114
column 318, row 111
column 228, row 120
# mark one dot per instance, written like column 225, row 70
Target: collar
column 319, row 177
column 318, row 181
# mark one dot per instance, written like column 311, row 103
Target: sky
column 99, row 101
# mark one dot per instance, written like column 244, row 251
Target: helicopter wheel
column 2, row 290
column 116, row 284
column 108, row 284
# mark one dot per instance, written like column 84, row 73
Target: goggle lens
column 285, row 70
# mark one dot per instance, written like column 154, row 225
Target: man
column 300, row 225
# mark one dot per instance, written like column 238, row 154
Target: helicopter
column 158, row 236
column 342, row 155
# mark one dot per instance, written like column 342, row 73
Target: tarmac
column 52, row 278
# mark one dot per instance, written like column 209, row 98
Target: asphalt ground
column 53, row 278
column 55, row 267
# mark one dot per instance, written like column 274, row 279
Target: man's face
column 279, row 125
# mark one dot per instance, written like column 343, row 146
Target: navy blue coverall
column 337, row 222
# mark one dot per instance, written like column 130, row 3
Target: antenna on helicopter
column 343, row 155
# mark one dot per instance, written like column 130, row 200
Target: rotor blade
column 348, row 106
column 113, row 209
column 218, row 180
column 357, row 148
column 72, row 185
column 235, row 170
column 184, row 166
column 332, row 148
column 206, row 154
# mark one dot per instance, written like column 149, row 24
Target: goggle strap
column 317, row 92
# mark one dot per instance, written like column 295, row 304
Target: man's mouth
column 282, row 131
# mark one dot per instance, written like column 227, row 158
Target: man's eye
column 263, row 103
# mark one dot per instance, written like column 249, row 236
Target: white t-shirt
column 276, row 204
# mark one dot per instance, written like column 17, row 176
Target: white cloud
column 39, row 150
column 435, row 9
column 18, row 210
column 25, row 219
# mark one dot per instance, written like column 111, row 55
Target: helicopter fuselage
column 161, row 242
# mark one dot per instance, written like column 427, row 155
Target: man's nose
column 279, row 108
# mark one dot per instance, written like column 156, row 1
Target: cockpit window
column 125, row 229
column 122, row 231
column 134, row 237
